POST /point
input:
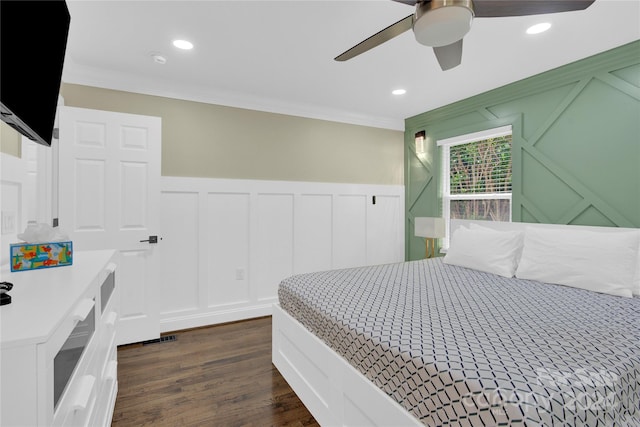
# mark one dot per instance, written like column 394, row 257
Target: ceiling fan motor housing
column 442, row 22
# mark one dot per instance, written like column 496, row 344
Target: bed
column 471, row 339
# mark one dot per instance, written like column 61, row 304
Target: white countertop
column 41, row 299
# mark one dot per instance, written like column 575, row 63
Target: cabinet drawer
column 76, row 406
column 105, row 343
column 66, row 355
column 103, row 413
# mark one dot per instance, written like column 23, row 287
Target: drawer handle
column 112, row 370
column 82, row 310
column 112, row 317
column 85, row 388
column 111, row 267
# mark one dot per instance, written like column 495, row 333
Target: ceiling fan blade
column 498, row 8
column 409, row 2
column 449, row 56
column 377, row 39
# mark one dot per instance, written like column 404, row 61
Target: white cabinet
column 58, row 355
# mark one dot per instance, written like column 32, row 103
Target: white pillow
column 484, row 249
column 600, row 262
column 476, row 226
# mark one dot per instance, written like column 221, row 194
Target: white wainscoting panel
column 179, row 221
column 313, row 233
column 350, row 230
column 274, row 242
column 386, row 211
column 227, row 244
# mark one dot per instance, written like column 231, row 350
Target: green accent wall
column 576, row 144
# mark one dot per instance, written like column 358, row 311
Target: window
column 476, row 176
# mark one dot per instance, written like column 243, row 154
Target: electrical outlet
column 8, row 222
column 239, row 273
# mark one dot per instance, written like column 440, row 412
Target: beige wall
column 10, row 140
column 205, row 140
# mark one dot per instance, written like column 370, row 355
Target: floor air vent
column 166, row 338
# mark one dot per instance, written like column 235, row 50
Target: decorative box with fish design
column 34, row 256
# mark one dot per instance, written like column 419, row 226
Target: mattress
column 459, row 347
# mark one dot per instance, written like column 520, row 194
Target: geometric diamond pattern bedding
column 459, row 347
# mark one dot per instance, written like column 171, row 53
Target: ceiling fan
column 442, row 24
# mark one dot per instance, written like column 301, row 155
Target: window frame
column 447, row 197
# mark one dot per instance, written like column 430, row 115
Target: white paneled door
column 109, row 198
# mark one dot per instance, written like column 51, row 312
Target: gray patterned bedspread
column 459, row 347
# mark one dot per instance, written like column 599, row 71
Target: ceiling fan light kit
column 442, row 22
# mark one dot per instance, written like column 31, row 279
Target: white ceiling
column 277, row 56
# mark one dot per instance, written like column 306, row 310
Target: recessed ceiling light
column 399, row 92
column 183, row 44
column 538, row 28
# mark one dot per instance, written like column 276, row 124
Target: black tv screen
column 33, row 41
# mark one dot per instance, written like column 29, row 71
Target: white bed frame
column 333, row 391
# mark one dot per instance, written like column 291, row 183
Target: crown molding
column 619, row 57
column 96, row 77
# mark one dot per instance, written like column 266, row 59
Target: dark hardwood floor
column 215, row 376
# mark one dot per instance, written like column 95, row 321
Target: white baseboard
column 214, row 317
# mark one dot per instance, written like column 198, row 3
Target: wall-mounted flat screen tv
column 33, row 41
